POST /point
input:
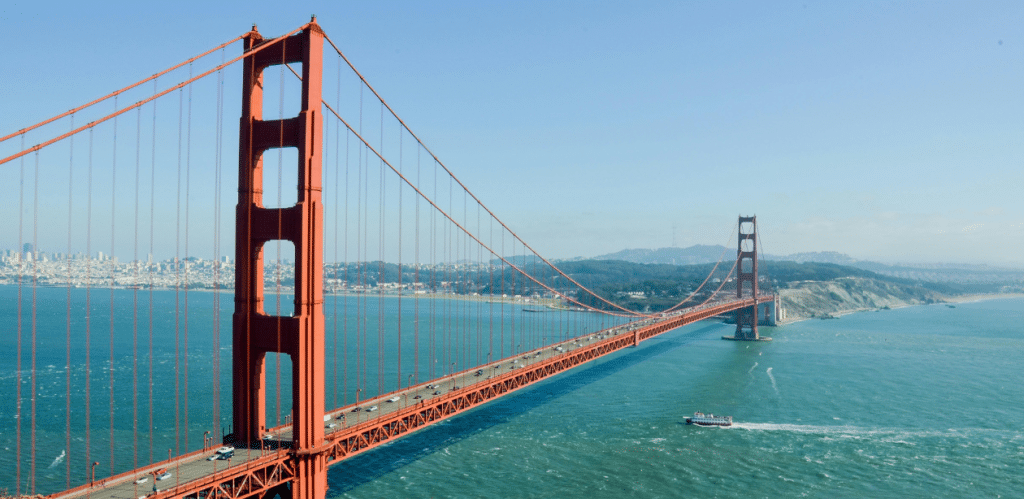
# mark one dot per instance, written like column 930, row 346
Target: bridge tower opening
column 301, row 334
column 746, row 281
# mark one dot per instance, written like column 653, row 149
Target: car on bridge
column 223, row 453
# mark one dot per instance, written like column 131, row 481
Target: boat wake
column 774, row 386
column 901, row 436
column 59, row 459
column 799, row 428
column 751, row 370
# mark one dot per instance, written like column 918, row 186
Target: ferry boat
column 699, row 418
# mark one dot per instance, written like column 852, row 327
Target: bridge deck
column 354, row 429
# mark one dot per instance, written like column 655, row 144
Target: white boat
column 699, row 418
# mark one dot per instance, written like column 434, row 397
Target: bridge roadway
column 356, row 428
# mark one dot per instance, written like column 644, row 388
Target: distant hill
column 673, row 256
column 702, row 253
column 946, row 272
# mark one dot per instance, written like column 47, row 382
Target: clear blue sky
column 890, row 131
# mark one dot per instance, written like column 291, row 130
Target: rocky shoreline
column 831, row 299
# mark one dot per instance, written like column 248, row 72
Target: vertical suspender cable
column 188, row 185
column 360, row 261
column 466, row 347
column 479, row 305
column 501, row 339
column 280, row 230
column 490, row 289
column 67, row 333
column 358, row 252
column 326, row 288
column 416, row 296
column 400, row 188
column 366, row 272
column 217, row 253
column 217, row 186
column 21, row 273
column 449, row 349
column 35, row 286
column 380, row 272
column 456, row 302
column 152, row 229
column 514, row 292
column 344, row 311
column 432, row 341
column 113, row 282
column 337, row 198
column 88, row 306
column 177, row 282
column 135, row 296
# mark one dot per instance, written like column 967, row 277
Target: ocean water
column 108, row 335
column 917, row 402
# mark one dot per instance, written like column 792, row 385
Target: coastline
column 971, row 298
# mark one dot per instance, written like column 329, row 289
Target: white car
column 394, row 399
column 372, row 408
column 142, row 480
column 225, row 449
column 163, row 476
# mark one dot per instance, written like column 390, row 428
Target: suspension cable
column 92, row 124
column 725, row 248
column 118, row 92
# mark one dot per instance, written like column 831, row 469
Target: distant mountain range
column 702, row 253
column 941, row 272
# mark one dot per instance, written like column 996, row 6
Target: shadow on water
column 374, row 464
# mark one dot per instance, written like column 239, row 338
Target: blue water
column 110, row 345
column 916, row 402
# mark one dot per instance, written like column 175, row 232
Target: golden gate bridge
column 369, row 351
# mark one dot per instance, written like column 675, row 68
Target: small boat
column 701, row 419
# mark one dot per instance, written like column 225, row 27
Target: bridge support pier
column 746, row 281
column 301, row 333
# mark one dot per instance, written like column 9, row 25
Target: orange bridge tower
column 746, row 281
column 300, row 334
